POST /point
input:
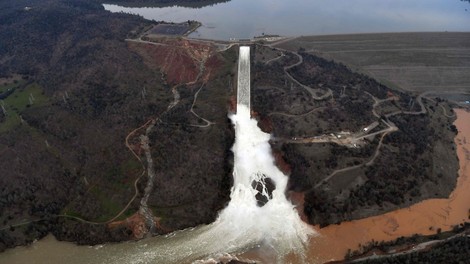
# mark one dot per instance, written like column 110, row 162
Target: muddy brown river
column 332, row 242
column 335, row 240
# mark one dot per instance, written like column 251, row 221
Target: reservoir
column 246, row 18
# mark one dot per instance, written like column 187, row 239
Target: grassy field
column 416, row 62
column 24, row 96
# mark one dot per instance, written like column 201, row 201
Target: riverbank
column 424, row 218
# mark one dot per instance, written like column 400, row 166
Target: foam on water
column 243, row 224
column 277, row 223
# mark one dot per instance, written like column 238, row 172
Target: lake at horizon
column 247, row 18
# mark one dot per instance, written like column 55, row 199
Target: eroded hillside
column 67, row 164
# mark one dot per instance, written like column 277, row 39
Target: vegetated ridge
column 106, row 139
column 73, row 139
column 355, row 147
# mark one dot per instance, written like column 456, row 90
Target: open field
column 416, row 62
column 24, row 96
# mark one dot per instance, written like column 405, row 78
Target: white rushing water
column 243, row 83
column 242, row 225
column 276, row 224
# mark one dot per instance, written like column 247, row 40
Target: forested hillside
column 79, row 92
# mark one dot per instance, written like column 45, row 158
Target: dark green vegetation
column 16, row 98
column 341, row 182
column 194, row 162
column 427, row 64
column 456, row 250
column 403, row 245
column 64, row 152
column 62, row 138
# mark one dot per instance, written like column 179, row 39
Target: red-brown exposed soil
column 265, row 124
column 233, row 104
column 212, row 63
column 136, row 223
column 297, row 199
column 179, row 59
column 281, row 163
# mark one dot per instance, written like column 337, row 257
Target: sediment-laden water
column 244, row 224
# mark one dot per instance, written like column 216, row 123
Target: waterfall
column 258, row 215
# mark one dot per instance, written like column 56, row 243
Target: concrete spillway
column 275, row 223
column 243, row 85
column 244, row 224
